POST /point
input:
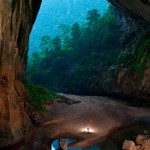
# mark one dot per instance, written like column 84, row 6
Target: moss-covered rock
column 142, row 53
column 37, row 96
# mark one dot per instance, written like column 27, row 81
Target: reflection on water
column 55, row 145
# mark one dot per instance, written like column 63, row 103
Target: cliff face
column 136, row 8
column 16, row 19
column 131, row 76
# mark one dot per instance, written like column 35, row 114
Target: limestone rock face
column 129, row 84
column 136, row 8
column 125, row 81
column 16, row 19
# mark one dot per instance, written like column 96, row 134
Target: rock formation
column 136, row 8
column 16, row 19
column 126, row 78
column 142, row 143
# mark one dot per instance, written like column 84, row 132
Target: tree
column 33, row 66
column 92, row 16
column 45, row 42
column 65, row 37
column 46, row 45
column 65, row 30
column 75, row 34
column 56, row 44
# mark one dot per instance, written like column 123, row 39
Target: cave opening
column 71, row 45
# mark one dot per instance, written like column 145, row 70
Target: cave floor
column 89, row 121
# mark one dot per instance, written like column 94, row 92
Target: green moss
column 139, row 60
column 142, row 53
column 37, row 95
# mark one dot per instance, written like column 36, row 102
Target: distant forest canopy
column 54, row 13
column 74, row 61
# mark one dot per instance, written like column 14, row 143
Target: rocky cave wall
column 132, row 80
column 135, row 8
column 16, row 19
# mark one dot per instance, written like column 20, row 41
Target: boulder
column 129, row 145
column 139, row 139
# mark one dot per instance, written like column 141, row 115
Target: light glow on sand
column 88, row 130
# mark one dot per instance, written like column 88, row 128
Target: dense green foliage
column 75, row 60
column 37, row 95
column 54, row 13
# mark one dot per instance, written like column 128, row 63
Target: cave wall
column 16, row 20
column 131, row 76
column 135, row 8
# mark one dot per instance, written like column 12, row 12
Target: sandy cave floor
column 101, row 115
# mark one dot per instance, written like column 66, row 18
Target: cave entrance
column 69, row 45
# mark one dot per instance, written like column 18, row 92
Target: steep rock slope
column 136, row 8
column 134, row 17
column 16, row 19
column 131, row 75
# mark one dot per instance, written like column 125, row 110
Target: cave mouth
column 57, row 28
column 68, row 51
